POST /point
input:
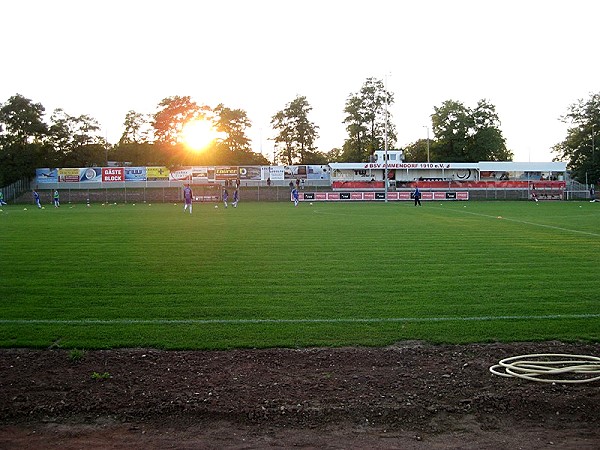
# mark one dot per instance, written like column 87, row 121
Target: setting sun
column 198, row 134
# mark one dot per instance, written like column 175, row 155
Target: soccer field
column 270, row 274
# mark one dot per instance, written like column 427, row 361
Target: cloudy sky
column 530, row 58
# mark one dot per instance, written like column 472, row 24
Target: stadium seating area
column 449, row 184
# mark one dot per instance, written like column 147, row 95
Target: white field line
column 488, row 216
column 553, row 227
column 284, row 321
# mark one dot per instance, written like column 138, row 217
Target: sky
column 532, row 59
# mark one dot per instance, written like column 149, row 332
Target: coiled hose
column 550, row 368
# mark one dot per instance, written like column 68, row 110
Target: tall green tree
column 22, row 135
column 234, row 146
column 580, row 147
column 333, row 155
column 233, row 124
column 452, row 126
column 135, row 145
column 76, row 140
column 137, row 128
column 355, row 146
column 296, row 133
column 368, row 121
column 172, row 115
column 487, row 142
column 417, row 151
column 463, row 134
column 21, row 120
column 170, row 119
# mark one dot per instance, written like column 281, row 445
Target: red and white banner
column 113, row 174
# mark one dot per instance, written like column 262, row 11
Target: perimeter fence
column 172, row 192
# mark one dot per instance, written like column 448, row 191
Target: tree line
column 459, row 134
column 580, row 147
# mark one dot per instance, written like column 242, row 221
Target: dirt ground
column 410, row 395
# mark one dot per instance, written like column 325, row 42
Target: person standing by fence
column 56, row 198
column 2, row 202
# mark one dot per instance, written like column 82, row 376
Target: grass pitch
column 270, row 274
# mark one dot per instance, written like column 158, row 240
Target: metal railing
column 16, row 189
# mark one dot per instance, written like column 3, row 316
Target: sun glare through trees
column 198, row 134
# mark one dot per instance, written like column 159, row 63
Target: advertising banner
column 367, row 196
column 200, row 174
column 317, row 172
column 46, row 176
column 68, row 175
column 226, row 173
column 157, row 173
column 90, row 175
column 250, row 173
column 135, row 174
column 181, row 175
column 113, row 174
column 273, row 172
column 293, row 172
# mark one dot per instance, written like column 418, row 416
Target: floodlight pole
column 385, row 143
column 427, row 128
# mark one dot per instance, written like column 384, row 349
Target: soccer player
column 534, row 197
column 36, row 198
column 533, row 193
column 236, row 197
column 187, row 196
column 2, row 202
column 295, row 196
column 56, row 198
column 225, row 197
column 417, row 196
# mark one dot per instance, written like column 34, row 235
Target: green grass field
column 271, row 275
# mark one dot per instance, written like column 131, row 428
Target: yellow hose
column 550, row 368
